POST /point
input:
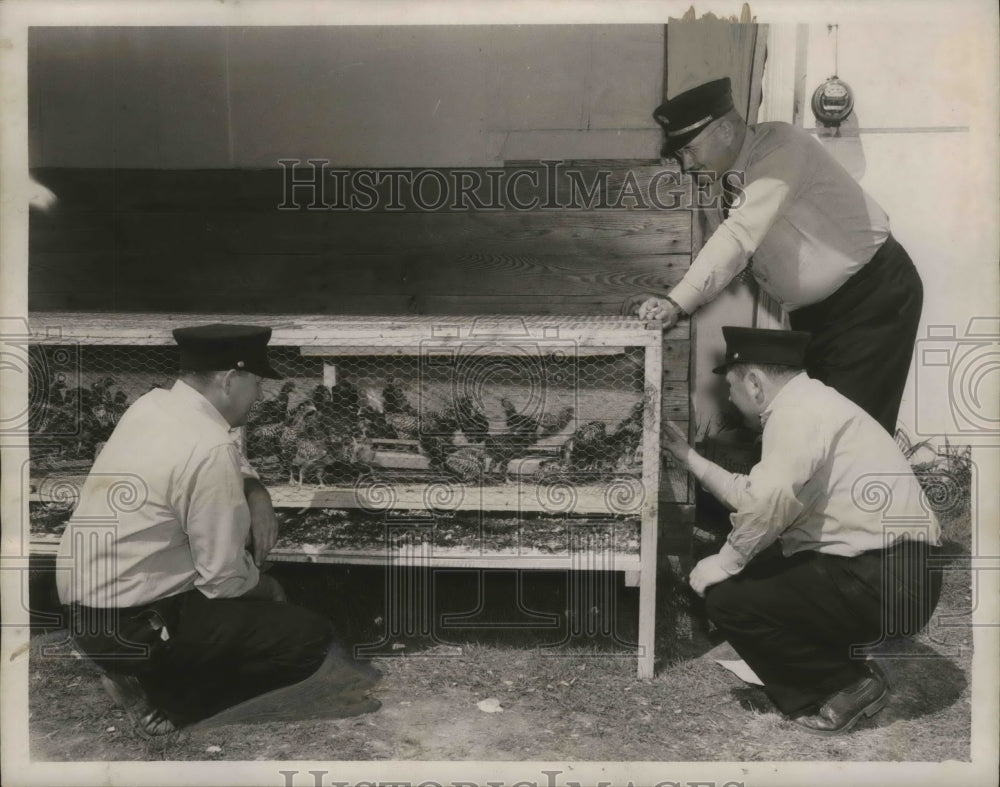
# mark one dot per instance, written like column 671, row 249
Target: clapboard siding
column 200, row 241
column 613, row 234
column 572, row 185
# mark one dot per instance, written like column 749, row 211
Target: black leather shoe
column 842, row 710
column 126, row 691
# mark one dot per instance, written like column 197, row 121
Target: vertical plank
column 650, row 516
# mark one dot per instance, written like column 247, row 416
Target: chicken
column 312, row 450
column 400, row 415
column 468, row 463
column 345, row 398
column 437, row 437
column 109, row 410
column 588, row 447
column 405, row 426
column 273, row 410
column 553, row 423
column 520, row 433
column 518, row 423
column 624, row 443
column 101, row 389
column 371, row 418
column 472, row 421
column 372, row 423
column 394, row 400
column 288, row 440
column 337, row 410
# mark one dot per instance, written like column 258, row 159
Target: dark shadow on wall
column 844, row 144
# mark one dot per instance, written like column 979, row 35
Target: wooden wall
column 203, row 241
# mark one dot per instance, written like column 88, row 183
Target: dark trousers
column 863, row 334
column 802, row 623
column 218, row 652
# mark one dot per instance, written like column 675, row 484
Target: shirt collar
column 792, row 385
column 194, row 398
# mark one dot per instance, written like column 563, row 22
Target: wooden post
column 650, row 509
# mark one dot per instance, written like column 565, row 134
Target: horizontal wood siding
column 194, row 241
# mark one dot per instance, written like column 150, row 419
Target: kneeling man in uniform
column 160, row 584
column 848, row 575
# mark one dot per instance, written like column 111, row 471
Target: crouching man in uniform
column 161, row 590
column 843, row 577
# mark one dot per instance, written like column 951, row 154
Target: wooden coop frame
column 395, row 335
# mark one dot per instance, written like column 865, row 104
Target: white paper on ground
column 740, row 669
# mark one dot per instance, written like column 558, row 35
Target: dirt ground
column 575, row 701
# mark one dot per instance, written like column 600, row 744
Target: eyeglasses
column 695, row 143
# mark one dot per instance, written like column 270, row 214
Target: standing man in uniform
column 849, row 574
column 812, row 238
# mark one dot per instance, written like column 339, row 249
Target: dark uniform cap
column 762, row 345
column 685, row 116
column 217, row 347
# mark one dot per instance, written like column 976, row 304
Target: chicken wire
column 479, row 415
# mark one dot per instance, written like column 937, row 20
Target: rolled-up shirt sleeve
column 217, row 523
column 726, row 487
column 769, row 185
column 768, row 501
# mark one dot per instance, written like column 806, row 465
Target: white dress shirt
column 163, row 509
column 805, row 221
column 830, row 479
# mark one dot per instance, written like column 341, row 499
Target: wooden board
column 558, row 185
column 216, row 241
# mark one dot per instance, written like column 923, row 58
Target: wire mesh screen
column 479, row 417
column 491, row 415
column 77, row 394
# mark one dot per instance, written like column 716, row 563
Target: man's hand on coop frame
column 653, row 307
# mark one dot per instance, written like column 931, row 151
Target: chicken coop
column 524, row 442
